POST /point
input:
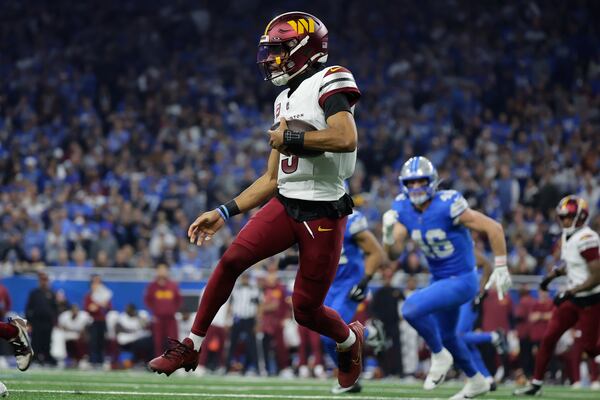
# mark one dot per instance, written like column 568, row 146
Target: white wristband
column 500, row 261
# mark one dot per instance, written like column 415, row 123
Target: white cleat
column 337, row 389
column 440, row 364
column 21, row 344
column 475, row 386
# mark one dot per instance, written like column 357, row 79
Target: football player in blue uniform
column 361, row 256
column 440, row 223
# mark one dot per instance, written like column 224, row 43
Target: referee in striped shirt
column 244, row 307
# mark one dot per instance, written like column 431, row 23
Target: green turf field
column 45, row 385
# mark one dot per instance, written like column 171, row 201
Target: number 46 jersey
column 446, row 243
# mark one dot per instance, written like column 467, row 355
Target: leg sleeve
column 563, row 317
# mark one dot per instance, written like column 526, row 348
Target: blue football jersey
column 447, row 244
column 352, row 265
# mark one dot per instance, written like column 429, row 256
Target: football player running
column 580, row 302
column 361, row 256
column 305, row 199
column 440, row 222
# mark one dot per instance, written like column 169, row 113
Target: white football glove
column 501, row 279
column 390, row 217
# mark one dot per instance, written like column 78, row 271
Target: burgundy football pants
column 269, row 232
column 564, row 317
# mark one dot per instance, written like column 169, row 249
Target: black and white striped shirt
column 244, row 301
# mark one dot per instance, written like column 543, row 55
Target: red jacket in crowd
column 5, row 302
column 163, row 298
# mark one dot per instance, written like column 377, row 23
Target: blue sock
column 477, row 337
column 479, row 364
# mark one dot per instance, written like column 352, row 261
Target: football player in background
column 439, row 222
column 580, row 302
column 305, row 199
column 361, row 256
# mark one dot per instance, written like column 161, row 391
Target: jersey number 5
column 435, row 244
column 289, row 165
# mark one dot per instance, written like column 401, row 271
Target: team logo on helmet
column 574, row 208
column 291, row 43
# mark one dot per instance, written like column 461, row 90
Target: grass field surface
column 58, row 385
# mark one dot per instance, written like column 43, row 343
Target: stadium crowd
column 120, row 122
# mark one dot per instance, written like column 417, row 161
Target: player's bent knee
column 235, row 260
column 410, row 311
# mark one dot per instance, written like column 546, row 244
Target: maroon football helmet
column 574, row 208
column 291, row 43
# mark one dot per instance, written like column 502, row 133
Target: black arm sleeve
column 336, row 103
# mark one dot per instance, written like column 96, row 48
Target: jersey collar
column 295, row 82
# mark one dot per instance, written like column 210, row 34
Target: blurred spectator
column 497, row 313
column 163, row 300
column 5, row 302
column 385, row 307
column 133, row 336
column 413, row 264
column 539, row 317
column 73, row 323
column 105, row 242
column 409, row 338
column 523, row 327
column 41, row 312
column 244, row 307
column 310, row 347
column 273, row 311
column 212, row 356
column 97, row 303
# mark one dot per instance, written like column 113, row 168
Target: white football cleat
column 3, row 390
column 440, row 364
column 21, row 344
column 337, row 389
column 475, row 386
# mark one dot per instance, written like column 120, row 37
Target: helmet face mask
column 418, row 194
column 291, row 43
column 414, row 170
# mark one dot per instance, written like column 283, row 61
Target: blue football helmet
column 419, row 168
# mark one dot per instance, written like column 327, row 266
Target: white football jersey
column 577, row 269
column 322, row 177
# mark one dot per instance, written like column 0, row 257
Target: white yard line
column 138, row 385
column 219, row 395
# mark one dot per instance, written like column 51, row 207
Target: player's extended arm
column 257, row 193
column 374, row 259
column 340, row 136
column 261, row 189
column 482, row 223
column 484, row 263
